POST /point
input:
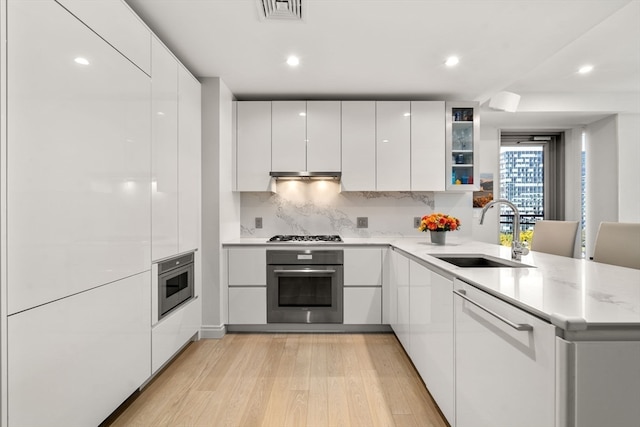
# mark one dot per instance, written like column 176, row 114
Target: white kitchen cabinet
column 247, row 286
column 431, row 330
column 288, row 136
column 172, row 332
column 362, row 266
column 427, row 145
column 189, row 161
column 393, row 146
column 504, row 376
column 248, row 305
column 462, row 134
column 362, row 305
column 358, row 146
column 598, row 383
column 164, row 153
column 253, row 133
column 78, row 146
column 75, row 360
column 362, row 286
column 399, row 297
column 247, row 266
column 130, row 36
column 305, row 136
column 323, row 136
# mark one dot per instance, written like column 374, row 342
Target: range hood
column 303, row 175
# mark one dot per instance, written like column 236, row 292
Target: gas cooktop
column 294, row 238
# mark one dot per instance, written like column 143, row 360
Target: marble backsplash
column 318, row 207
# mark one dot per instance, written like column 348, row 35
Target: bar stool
column 555, row 237
column 618, row 243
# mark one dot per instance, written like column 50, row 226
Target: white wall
column 573, row 172
column 220, row 206
column 602, row 176
column 628, row 165
column 489, row 154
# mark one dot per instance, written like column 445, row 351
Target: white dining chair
column 555, row 237
column 618, row 243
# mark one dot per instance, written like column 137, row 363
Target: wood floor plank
column 318, row 408
column 312, row 380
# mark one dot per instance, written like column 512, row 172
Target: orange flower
column 439, row 222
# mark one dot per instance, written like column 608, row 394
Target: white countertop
column 584, row 293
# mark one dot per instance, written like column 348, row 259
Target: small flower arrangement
column 439, row 222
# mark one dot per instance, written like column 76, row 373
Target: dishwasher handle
column 517, row 326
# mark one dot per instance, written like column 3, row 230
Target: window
column 531, row 178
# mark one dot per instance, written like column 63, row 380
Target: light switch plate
column 362, row 222
column 258, row 222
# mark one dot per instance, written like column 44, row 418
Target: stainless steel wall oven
column 304, row 286
column 175, row 283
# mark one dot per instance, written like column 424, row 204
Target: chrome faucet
column 517, row 249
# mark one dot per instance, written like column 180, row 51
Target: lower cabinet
column 398, row 272
column 73, row 361
column 599, row 383
column 431, row 333
column 363, row 277
column 362, row 306
column 248, row 305
column 173, row 332
column 504, row 376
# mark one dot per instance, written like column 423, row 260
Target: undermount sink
column 478, row 261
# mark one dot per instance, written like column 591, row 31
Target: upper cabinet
column 377, row 145
column 288, row 135
column 323, row 136
column 358, row 145
column 78, row 147
column 175, row 156
column 393, row 146
column 164, row 153
column 253, row 145
column 189, row 161
column 305, row 136
column 427, row 146
column 463, row 130
column 130, row 36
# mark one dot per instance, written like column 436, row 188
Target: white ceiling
column 395, row 49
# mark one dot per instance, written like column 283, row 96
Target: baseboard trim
column 310, row 328
column 213, row 331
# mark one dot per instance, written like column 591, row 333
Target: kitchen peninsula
column 574, row 336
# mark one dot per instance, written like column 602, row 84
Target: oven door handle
column 304, row 271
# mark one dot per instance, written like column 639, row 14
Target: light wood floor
column 277, row 380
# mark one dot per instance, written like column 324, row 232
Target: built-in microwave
column 175, row 283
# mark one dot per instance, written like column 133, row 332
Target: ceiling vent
column 280, row 9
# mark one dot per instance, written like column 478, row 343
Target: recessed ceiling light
column 82, row 61
column 451, row 61
column 293, row 61
column 585, row 69
column 302, row 114
column 407, row 114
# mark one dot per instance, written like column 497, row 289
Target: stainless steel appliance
column 175, row 283
column 305, row 286
column 290, row 238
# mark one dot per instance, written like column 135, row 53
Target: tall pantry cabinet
column 76, row 251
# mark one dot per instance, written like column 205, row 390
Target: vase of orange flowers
column 437, row 224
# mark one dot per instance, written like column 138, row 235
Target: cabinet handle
column 516, row 326
column 304, row 271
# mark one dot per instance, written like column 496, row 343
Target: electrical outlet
column 258, row 222
column 416, row 221
column 362, row 222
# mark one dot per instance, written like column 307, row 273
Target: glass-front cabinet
column 463, row 130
